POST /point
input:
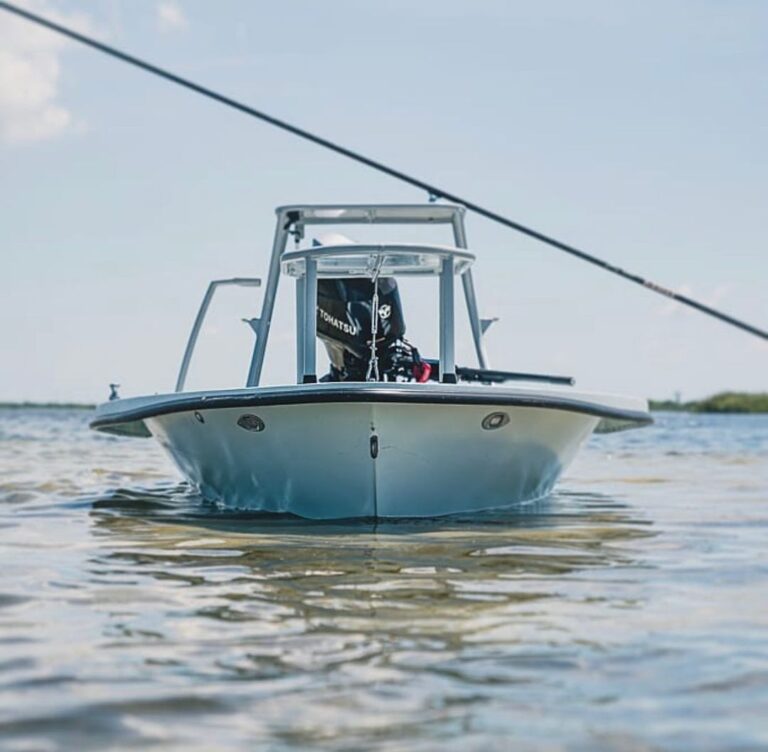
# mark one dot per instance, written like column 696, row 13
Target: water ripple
column 626, row 612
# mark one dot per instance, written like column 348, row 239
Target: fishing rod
column 433, row 191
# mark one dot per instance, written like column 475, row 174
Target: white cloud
column 170, row 16
column 29, row 76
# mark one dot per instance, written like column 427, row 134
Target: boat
column 386, row 432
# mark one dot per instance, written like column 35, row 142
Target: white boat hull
column 341, row 455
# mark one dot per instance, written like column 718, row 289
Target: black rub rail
column 332, row 394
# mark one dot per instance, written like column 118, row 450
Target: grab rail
column 212, row 287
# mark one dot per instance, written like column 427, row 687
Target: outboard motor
column 345, row 324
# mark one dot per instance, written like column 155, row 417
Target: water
column 627, row 612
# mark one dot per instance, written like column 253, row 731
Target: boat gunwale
column 322, row 394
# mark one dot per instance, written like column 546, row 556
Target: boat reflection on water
column 296, row 592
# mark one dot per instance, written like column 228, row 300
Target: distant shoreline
column 723, row 402
column 46, row 406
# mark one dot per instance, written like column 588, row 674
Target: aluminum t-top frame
column 371, row 261
column 292, row 221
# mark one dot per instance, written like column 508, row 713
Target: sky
column 636, row 131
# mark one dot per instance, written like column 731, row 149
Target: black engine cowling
column 344, row 316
